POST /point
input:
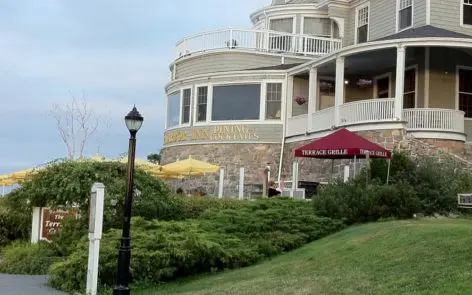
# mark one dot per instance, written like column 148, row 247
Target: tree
column 76, row 124
column 154, row 158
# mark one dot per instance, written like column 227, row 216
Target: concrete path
column 25, row 285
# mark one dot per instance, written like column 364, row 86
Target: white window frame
column 356, row 26
column 179, row 92
column 182, row 106
column 415, row 67
column 264, row 101
column 460, row 67
column 195, row 104
column 292, row 16
column 462, row 3
column 397, row 29
column 210, row 120
column 380, row 77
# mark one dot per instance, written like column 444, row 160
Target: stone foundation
column 253, row 157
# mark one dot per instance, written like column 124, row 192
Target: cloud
column 118, row 51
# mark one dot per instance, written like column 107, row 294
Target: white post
column 36, row 225
column 294, row 177
column 312, row 96
column 339, row 89
column 289, row 96
column 400, row 81
column 346, row 173
column 221, row 183
column 241, row 183
column 95, row 234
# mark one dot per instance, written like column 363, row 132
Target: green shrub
column 70, row 182
column 357, row 202
column 218, row 240
column 13, row 225
column 26, row 258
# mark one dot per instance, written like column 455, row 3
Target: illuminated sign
column 213, row 133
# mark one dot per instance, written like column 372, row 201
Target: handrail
column 259, row 40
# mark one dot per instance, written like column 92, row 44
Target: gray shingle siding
column 343, row 12
column 419, row 13
column 446, row 14
column 382, row 18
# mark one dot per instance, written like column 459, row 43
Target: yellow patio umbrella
column 21, row 175
column 190, row 167
column 143, row 164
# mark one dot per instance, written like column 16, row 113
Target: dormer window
column 466, row 14
column 362, row 24
column 405, row 14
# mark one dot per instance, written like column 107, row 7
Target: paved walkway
column 25, row 285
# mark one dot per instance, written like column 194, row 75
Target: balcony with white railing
column 258, row 40
column 421, row 123
column 434, row 120
column 367, row 111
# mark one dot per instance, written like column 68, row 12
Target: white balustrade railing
column 378, row 110
column 259, row 40
column 434, row 120
column 365, row 111
column 297, row 125
column 323, row 119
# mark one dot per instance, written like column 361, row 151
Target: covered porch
column 392, row 86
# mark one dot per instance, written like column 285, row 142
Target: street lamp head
column 134, row 120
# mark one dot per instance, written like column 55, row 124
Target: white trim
column 222, row 75
column 428, row 12
column 262, row 101
column 286, row 9
column 460, row 67
column 302, row 26
column 438, row 135
column 356, row 21
column 461, row 23
column 219, row 142
column 195, row 109
column 427, row 61
column 397, row 12
column 379, row 77
column 353, row 128
column 378, row 45
column 415, row 67
column 181, row 124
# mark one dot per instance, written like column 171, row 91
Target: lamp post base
column 121, row 290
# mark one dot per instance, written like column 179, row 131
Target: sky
column 117, row 52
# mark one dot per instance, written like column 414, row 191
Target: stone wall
column 253, row 157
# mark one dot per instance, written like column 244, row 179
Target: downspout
column 284, row 130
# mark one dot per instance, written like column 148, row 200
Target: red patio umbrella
column 343, row 144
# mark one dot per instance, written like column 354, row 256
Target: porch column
column 339, row 89
column 400, row 81
column 312, row 96
column 289, row 97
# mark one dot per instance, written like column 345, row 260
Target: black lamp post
column 133, row 121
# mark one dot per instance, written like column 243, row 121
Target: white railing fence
column 259, row 40
column 365, row 111
column 297, row 125
column 434, row 119
column 323, row 119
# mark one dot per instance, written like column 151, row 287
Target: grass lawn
column 401, row 257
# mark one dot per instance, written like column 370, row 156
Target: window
column 362, row 24
column 467, row 12
column 273, row 101
column 409, row 90
column 280, row 41
column 236, row 102
column 382, row 87
column 173, row 110
column 465, row 92
column 202, row 96
column 186, row 98
column 405, row 14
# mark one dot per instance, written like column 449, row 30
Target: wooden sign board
column 51, row 220
column 464, row 200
